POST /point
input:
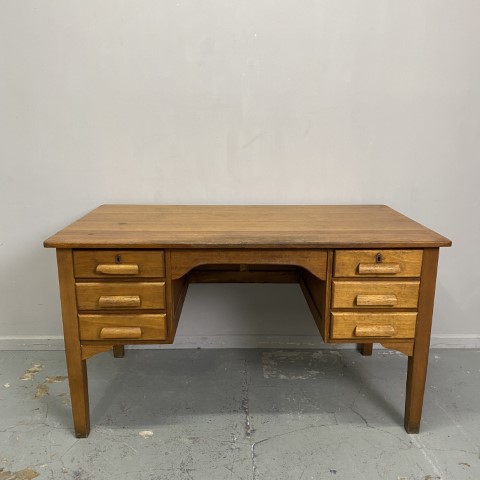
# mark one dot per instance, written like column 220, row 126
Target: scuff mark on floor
column 455, row 422
column 66, row 399
column 81, row 474
column 25, row 474
column 32, row 371
column 185, row 464
column 130, row 447
column 431, row 459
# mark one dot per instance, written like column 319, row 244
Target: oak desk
column 367, row 272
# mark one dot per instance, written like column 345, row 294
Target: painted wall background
column 236, row 102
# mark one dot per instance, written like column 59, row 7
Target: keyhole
column 378, row 258
column 118, row 259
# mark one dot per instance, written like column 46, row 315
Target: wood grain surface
column 354, row 325
column 254, row 226
column 152, row 326
column 148, row 264
column 102, row 295
column 346, row 294
column 363, row 263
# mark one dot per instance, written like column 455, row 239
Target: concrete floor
column 240, row 414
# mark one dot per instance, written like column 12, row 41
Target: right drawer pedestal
column 375, row 295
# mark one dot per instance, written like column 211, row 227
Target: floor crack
column 361, row 416
column 249, row 430
column 68, row 449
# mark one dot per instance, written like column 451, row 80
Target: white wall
column 260, row 101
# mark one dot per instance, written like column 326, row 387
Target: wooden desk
column 368, row 274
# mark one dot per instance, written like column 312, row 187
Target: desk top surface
column 255, row 226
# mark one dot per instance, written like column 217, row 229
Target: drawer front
column 378, row 263
column 123, row 327
column 118, row 264
column 121, row 295
column 354, row 325
column 379, row 294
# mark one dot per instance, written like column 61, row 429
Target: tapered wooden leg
column 118, row 351
column 416, row 377
column 76, row 367
column 366, row 349
column 78, row 382
column 418, row 362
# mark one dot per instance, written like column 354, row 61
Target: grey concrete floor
column 240, row 414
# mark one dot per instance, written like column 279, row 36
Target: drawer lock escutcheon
column 378, row 268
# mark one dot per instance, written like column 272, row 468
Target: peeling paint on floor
column 56, row 379
column 296, row 364
column 231, row 414
column 25, row 474
column 43, row 389
column 32, row 372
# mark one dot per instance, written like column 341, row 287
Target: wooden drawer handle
column 377, row 300
column 120, row 332
column 378, row 268
column 374, row 331
column 120, row 269
column 119, row 301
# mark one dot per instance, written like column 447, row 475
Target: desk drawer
column 378, row 263
column 119, row 263
column 123, row 327
column 346, row 325
column 121, row 295
column 376, row 294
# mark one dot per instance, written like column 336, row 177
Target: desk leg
column 418, row 362
column 77, row 379
column 366, row 349
column 118, row 351
column 76, row 367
